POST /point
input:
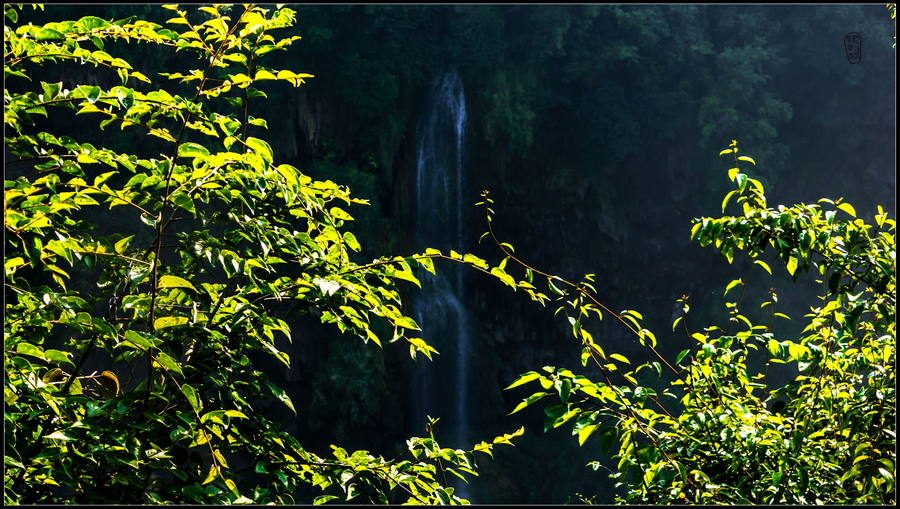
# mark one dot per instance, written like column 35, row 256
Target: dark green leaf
column 608, row 435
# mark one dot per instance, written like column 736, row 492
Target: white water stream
column 439, row 307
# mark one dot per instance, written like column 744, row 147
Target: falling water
column 438, row 307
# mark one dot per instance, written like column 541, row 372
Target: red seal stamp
column 853, row 47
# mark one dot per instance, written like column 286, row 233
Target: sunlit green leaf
column 763, row 265
column 170, row 321
column 191, row 394
column 192, row 150
column 175, row 282
column 527, row 377
column 528, row 401
column 619, row 357
column 164, row 360
column 846, row 207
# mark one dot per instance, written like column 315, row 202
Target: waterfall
column 439, row 308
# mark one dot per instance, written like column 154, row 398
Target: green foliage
column 738, row 104
column 530, row 73
column 723, row 432
column 893, row 9
column 226, row 239
column 189, row 303
column 364, row 182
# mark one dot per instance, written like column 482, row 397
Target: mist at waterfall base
column 442, row 385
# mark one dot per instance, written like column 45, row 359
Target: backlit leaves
column 186, row 307
column 735, row 426
column 109, row 384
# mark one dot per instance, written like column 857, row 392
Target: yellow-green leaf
column 724, row 202
column 163, row 359
column 263, row 74
column 763, row 265
column 220, row 458
column 29, row 349
column 792, row 265
column 58, row 435
column 527, row 377
column 192, row 150
column 846, row 207
column 109, row 385
column 191, row 394
column 175, row 282
column 732, row 285
column 170, row 321
column 585, row 432
column 213, row 472
column 406, row 322
column 261, row 147
column 54, row 375
column 503, row 276
column 619, row 357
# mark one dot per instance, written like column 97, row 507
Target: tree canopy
column 226, row 236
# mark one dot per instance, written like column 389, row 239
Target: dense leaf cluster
column 728, row 435
column 178, row 313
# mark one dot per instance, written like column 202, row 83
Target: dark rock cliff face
column 306, row 121
column 626, row 218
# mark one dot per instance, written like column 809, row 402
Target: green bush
column 179, row 303
column 721, row 432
